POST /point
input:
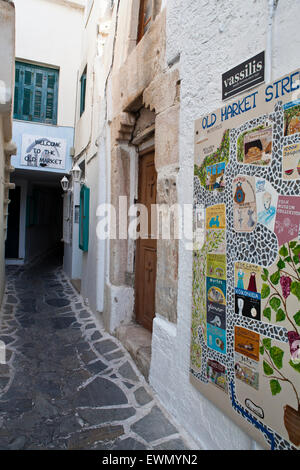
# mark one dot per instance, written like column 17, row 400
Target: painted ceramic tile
column 287, row 218
column 244, row 204
column 247, row 304
column 217, row 375
column 216, row 338
column 216, row 217
column 266, row 201
column 246, row 342
column 215, row 177
column 210, row 163
column 216, row 290
column 216, row 240
column 291, row 117
column 291, row 162
column 216, row 266
column 246, row 370
column 256, row 146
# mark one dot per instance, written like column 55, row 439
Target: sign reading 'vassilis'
column 244, row 76
column 43, row 152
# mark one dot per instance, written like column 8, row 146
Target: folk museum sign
column 245, row 344
column 43, row 152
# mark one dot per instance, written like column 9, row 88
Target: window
column 82, row 91
column 145, row 17
column 36, row 92
column 84, row 216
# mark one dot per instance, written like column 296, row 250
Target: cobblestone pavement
column 68, row 384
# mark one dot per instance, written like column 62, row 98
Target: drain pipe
column 272, row 8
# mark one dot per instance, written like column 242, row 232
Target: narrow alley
column 67, row 384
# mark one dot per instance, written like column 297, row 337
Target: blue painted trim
column 253, row 421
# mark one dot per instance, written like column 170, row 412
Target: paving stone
column 11, row 299
column 84, row 314
column 153, row 426
column 128, row 385
column 127, row 372
column 105, row 346
column 3, row 382
column 8, row 354
column 128, row 444
column 68, row 424
column 44, row 407
column 174, row 444
column 115, row 355
column 82, row 346
column 15, row 406
column 96, row 335
column 4, row 370
column 90, row 326
column 63, row 322
column 85, row 439
column 100, row 392
column 58, row 302
column 96, row 367
column 88, row 356
column 99, row 416
column 142, row 397
column 18, row 443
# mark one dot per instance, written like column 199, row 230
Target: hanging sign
column 43, row 152
column 244, row 76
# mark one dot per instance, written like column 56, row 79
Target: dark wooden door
column 13, row 224
column 145, row 267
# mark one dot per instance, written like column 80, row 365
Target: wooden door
column 145, row 266
column 13, row 224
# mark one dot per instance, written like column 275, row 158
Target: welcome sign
column 43, row 152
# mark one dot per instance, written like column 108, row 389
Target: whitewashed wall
column 50, row 33
column 211, row 37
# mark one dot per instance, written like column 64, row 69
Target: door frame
column 141, row 154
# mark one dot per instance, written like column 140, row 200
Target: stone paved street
column 67, row 384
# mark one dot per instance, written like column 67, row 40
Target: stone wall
column 7, row 57
column 144, row 82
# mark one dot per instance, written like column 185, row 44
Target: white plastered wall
column 42, row 26
column 211, row 37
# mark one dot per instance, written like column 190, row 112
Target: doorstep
column 137, row 340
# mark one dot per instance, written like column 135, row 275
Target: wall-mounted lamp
column 76, row 173
column 64, row 183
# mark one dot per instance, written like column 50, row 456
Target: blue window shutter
column 17, row 94
column 36, row 93
column 84, row 218
column 82, row 91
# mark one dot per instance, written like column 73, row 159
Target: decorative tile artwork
column 245, row 340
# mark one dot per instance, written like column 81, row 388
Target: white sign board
column 43, row 152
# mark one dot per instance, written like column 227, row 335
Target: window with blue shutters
column 84, row 218
column 36, row 93
column 82, row 91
